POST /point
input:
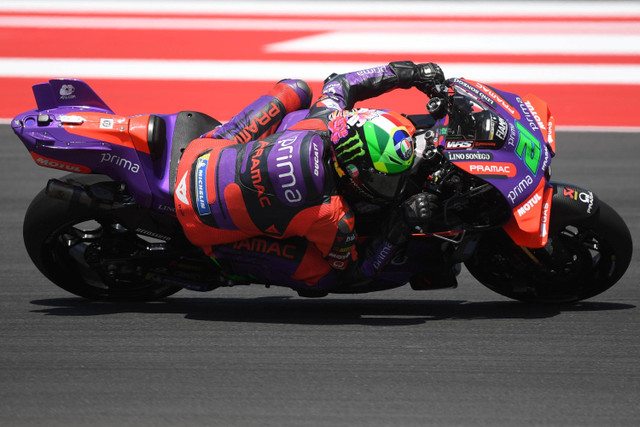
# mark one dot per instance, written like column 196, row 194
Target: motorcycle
column 108, row 230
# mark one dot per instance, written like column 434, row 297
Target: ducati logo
column 181, row 190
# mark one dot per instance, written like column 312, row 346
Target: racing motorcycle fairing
column 87, row 140
column 108, row 231
column 529, row 225
column 507, row 141
column 67, row 93
column 74, row 130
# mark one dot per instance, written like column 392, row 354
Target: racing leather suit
column 242, row 189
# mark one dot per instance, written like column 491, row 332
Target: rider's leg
column 262, row 117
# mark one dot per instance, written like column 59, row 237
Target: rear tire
column 582, row 259
column 58, row 235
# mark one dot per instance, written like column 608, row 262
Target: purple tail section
column 67, row 93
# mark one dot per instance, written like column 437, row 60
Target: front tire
column 584, row 257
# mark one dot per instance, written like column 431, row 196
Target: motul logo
column 55, row 164
column 529, row 204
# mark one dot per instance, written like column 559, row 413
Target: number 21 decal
column 528, row 149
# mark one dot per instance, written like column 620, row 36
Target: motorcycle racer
column 244, row 181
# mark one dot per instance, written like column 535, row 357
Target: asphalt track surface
column 255, row 357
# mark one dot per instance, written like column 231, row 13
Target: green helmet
column 373, row 149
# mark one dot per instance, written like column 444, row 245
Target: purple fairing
column 43, row 131
column 522, row 160
column 67, row 93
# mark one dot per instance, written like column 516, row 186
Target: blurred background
column 582, row 57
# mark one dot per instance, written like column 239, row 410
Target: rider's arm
column 394, row 234
column 342, row 91
column 333, row 233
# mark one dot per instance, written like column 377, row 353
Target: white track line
column 334, row 8
column 313, row 71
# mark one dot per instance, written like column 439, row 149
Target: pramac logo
column 496, row 169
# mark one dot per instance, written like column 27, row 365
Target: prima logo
column 520, row 188
column 120, row 162
column 286, row 175
column 382, row 255
column 533, row 123
column 535, row 114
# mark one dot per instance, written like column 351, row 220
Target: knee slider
column 295, row 94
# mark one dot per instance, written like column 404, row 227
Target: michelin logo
column 201, row 185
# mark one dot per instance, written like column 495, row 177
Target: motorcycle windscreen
column 529, row 224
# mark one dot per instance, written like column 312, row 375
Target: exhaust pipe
column 76, row 194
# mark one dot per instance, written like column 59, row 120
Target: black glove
column 427, row 76
column 414, row 211
column 418, row 208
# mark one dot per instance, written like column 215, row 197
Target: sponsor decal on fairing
column 120, row 162
column 462, row 156
column 58, row 164
column 66, row 92
column 106, row 123
column 498, row 170
column 585, row 197
column 529, row 204
column 498, row 99
column 459, row 145
column 528, row 149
